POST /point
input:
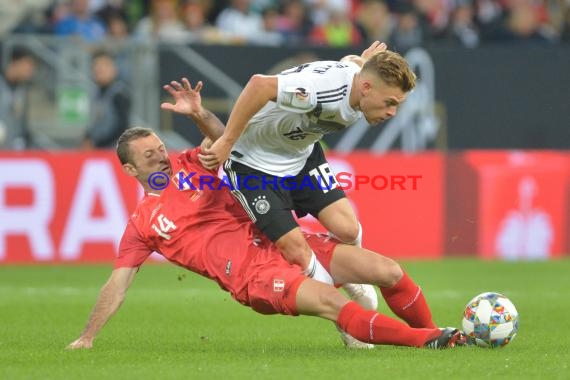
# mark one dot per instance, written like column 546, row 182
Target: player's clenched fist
column 216, row 155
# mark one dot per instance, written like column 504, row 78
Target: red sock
column 407, row 301
column 372, row 327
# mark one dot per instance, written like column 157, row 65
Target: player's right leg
column 296, row 250
column 269, row 206
column 294, row 247
column 328, row 203
column 274, row 286
column 318, row 299
column 339, row 219
column 350, row 264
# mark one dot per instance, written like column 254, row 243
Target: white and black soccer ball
column 490, row 320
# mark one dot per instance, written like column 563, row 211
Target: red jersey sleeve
column 132, row 250
column 192, row 156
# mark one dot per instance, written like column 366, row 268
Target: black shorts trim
column 269, row 200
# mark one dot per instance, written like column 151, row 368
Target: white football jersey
column 312, row 100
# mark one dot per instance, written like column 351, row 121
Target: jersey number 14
column 164, row 226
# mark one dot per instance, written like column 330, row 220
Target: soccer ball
column 490, row 320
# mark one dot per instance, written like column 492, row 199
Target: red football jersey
column 195, row 223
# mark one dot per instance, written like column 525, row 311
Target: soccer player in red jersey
column 196, row 223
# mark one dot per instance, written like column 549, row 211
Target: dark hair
column 19, row 53
column 126, row 137
column 102, row 53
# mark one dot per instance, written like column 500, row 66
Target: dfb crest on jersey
column 297, row 99
column 301, row 98
column 261, row 204
column 301, row 94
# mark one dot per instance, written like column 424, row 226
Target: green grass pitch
column 176, row 325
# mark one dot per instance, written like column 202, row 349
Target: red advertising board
column 511, row 205
column 62, row 207
column 72, row 207
column 398, row 198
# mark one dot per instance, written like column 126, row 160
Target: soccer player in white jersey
column 276, row 163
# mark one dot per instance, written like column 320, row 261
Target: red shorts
column 272, row 283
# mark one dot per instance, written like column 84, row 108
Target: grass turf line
column 175, row 324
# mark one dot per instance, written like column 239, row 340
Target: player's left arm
column 188, row 102
column 110, row 299
column 373, row 49
column 258, row 91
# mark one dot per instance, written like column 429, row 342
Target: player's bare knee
column 348, row 233
column 389, row 273
column 295, row 250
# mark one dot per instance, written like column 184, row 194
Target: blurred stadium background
column 475, row 163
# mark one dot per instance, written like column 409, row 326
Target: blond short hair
column 392, row 68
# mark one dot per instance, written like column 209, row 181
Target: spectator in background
column 112, row 9
column 81, row 22
column 14, row 131
column 162, row 24
column 117, row 41
column 319, row 10
column 194, row 15
column 239, row 21
column 528, row 22
column 489, row 16
column 135, row 11
column 110, row 108
column 22, row 16
column 294, row 23
column 114, row 15
column 258, row 6
column 374, row 20
column 117, row 26
column 407, row 32
column 434, row 16
column 337, row 31
column 462, row 28
column 270, row 34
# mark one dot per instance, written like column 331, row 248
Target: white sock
column 316, row 271
column 363, row 294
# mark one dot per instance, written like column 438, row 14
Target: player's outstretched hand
column 373, row 49
column 216, row 155
column 187, row 100
column 80, row 343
